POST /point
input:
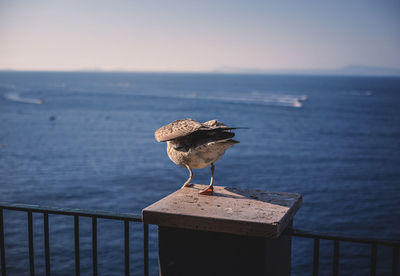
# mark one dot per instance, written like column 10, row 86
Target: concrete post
column 233, row 232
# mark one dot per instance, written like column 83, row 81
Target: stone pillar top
column 229, row 210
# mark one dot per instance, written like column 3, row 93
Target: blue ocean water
column 85, row 140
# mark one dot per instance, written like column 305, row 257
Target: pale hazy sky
column 197, row 35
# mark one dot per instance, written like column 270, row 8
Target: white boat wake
column 259, row 98
column 15, row 97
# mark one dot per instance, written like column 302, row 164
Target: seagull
column 195, row 145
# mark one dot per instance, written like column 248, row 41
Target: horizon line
column 238, row 71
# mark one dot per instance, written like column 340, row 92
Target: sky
column 197, row 36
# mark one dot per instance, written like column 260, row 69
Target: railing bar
column 373, row 260
column 46, row 242
column 395, row 264
column 137, row 218
column 94, row 245
column 325, row 236
column 316, row 257
column 126, row 232
column 71, row 212
column 336, row 258
column 31, row 253
column 146, row 248
column 2, row 246
column 76, row 235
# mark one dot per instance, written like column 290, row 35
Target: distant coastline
column 351, row 70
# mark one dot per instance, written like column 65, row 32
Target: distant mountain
column 351, row 70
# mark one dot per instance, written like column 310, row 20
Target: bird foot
column 187, row 185
column 208, row 191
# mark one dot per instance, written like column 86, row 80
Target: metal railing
column 372, row 242
column 76, row 213
column 128, row 218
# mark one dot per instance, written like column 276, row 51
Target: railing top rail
column 341, row 237
column 70, row 211
column 138, row 218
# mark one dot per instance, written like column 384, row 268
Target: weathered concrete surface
column 229, row 210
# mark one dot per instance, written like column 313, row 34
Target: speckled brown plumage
column 195, row 145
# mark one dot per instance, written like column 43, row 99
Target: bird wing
column 202, row 137
column 176, row 129
column 188, row 133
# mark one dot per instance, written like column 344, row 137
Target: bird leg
column 209, row 190
column 187, row 183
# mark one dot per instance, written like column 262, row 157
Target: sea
column 86, row 140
